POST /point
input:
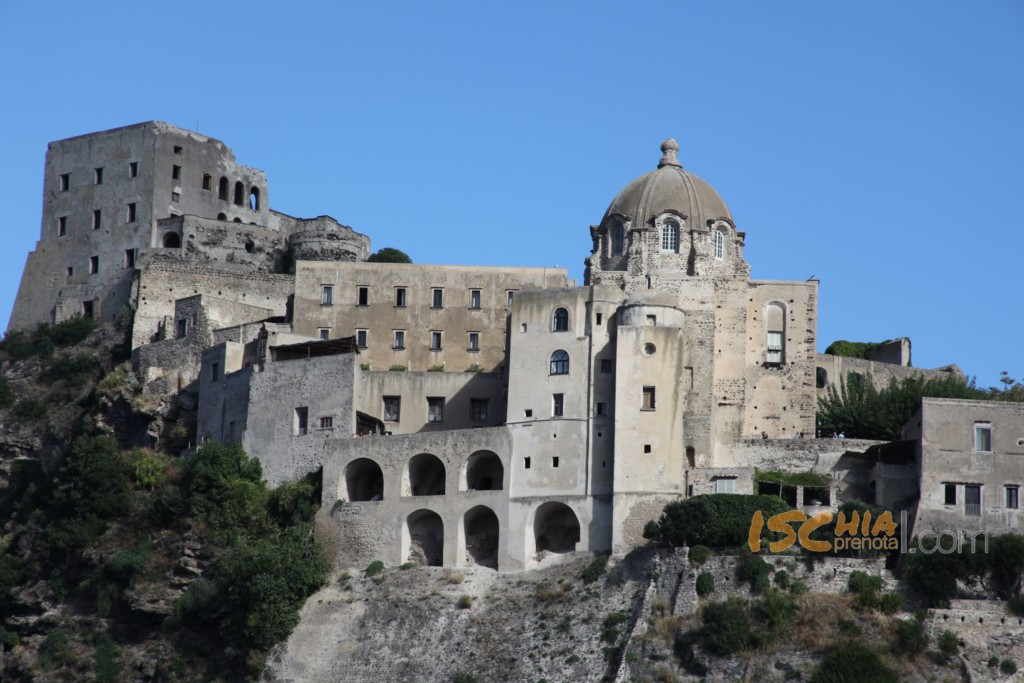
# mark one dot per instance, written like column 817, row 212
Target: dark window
column 71, row 271
column 94, row 264
column 87, row 309
column 983, row 437
column 559, row 363
column 554, row 461
column 363, row 296
column 97, row 219
column 474, row 298
column 239, row 194
column 557, row 404
column 400, row 297
column 392, row 408
column 182, row 328
column 437, row 298
column 561, row 320
column 511, row 295
column 528, row 412
column 648, row 400
column 172, row 240
column 301, row 421
column 326, row 423
column 435, row 409
column 478, row 409
column 972, row 500
column 526, row 463
column 129, row 258
column 361, row 338
column 254, row 198
column 214, row 372
column 222, row 189
column 133, row 169
column 950, row 494
column 606, row 365
column 820, row 377
column 435, row 341
column 176, row 172
column 327, row 295
column 1012, row 497
column 97, row 176
column 65, row 182
column 177, row 149
column 474, row 341
column 602, row 409
column 325, row 333
column 207, row 182
column 399, row 341
column 647, row 448
column 599, row 318
column 62, row 226
column 131, row 212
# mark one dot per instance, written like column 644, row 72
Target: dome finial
column 668, row 153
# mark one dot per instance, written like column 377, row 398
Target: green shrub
column 705, row 584
column 798, row 588
column 375, row 568
column 464, row 602
column 891, row 602
column 867, row 600
column 727, row 626
column 781, row 579
column 1008, row 667
column 225, row 487
column 1016, row 604
column 593, row 571
column 6, row 394
column 699, row 554
column 72, row 330
column 860, row 581
column 715, row 520
column 853, row 663
column 776, row 611
column 398, row 367
column 993, row 662
column 610, row 627
column 849, row 627
column 752, row 568
column 55, row 650
column 29, row 409
column 949, row 644
column 106, row 663
column 436, row 368
column 911, row 635
column 389, row 255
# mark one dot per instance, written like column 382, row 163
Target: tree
column 389, row 255
column 715, row 520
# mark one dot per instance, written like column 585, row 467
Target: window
column 719, row 245
column 97, row 176
column 648, row 399
column 1012, row 497
column 239, row 194
column 133, row 169
column 437, row 298
column 511, row 295
column 652, row 321
column 94, row 265
column 478, row 409
column 65, row 182
column 400, row 297
column 324, row 333
column 598, row 319
column 560, row 323
column 474, row 341
column 983, row 436
column 602, row 409
column 392, row 408
column 557, row 405
column 363, row 296
column 526, row 463
column 207, row 182
column 175, row 172
column 560, row 363
column 775, row 320
column 618, row 240
column 71, row 271
column 361, row 338
column 182, row 328
column 326, row 295
column 177, row 149
column 222, row 189
column 131, row 212
column 949, row 494
column 669, row 236
column 301, row 421
column 399, row 340
column 435, row 341
column 327, row 422
column 214, row 372
column 129, row 258
column 254, row 198
column 435, row 409
column 606, row 366
column 725, row 485
column 97, row 219
column 87, row 309
column 972, row 500
column 554, row 461
column 62, row 226
column 474, row 298
column 528, row 412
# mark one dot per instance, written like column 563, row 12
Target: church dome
column 668, row 188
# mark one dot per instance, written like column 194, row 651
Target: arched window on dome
column 775, row 322
column 719, row 245
column 560, row 363
column 669, row 237
column 560, row 323
column 618, row 240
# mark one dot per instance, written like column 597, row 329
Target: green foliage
column 1008, row 667
column 6, row 394
column 776, row 611
column 715, row 520
column 296, row 501
column 911, row 635
column 41, row 342
column 752, row 568
column 223, row 486
column 436, row 368
column 29, row 409
column 699, row 554
column 121, row 378
column 73, row 370
column 705, row 584
column 851, row 349
column 935, row 575
column 1015, row 604
column 397, row 367
column 890, row 603
column 781, row 579
column 106, row 664
column 146, row 468
column 389, row 255
column 55, row 651
column 791, row 478
column 125, row 565
column 72, row 330
column 610, row 627
column 726, row 626
column 948, row 644
column 853, row 663
column 862, row 582
column 593, row 571
column 1005, row 563
column 375, row 568
column 798, row 588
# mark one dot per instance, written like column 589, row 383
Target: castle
column 461, row 415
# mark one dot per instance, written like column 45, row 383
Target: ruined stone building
column 461, row 415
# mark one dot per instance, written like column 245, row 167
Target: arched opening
column 559, row 363
column 775, row 322
column 254, row 199
column 222, row 189
column 556, row 528
column 239, row 193
column 236, row 220
column 426, row 538
column 222, row 216
column 691, row 457
column 424, row 476
column 250, row 246
column 172, row 241
column 719, row 245
column 480, row 525
column 484, row 472
column 820, row 377
column 618, row 240
column 560, row 323
column 364, row 480
column 669, row 237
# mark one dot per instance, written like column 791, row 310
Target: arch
column 222, row 216
column 618, row 240
column 560, row 320
column 236, row 219
column 239, row 193
column 820, row 377
column 424, row 476
column 222, row 188
column 172, row 240
column 775, row 327
column 423, row 538
column 364, row 480
column 719, row 245
column 556, row 528
column 559, row 363
column 669, row 237
column 483, row 472
column 254, row 198
column 482, row 533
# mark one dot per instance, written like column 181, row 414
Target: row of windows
column 224, row 190
column 478, row 409
column 64, row 179
column 669, row 240
column 131, row 211
column 401, row 297
column 398, row 339
column 972, row 497
column 94, row 262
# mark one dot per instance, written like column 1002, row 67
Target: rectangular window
column 1012, row 497
column 97, row 219
column 62, row 226
column 526, row 463
column 437, row 298
column 972, row 500
column 176, row 172
column 65, row 182
column 94, row 265
column 511, row 294
column 364, row 296
column 361, row 338
column 652, row 321
column 175, row 197
column 949, row 494
column 326, row 423
column 648, row 399
column 554, row 461
column 131, row 212
column 602, row 409
column 606, row 365
column 129, row 258
column 324, row 333
column 392, row 408
column 474, row 298
column 725, row 485
column 774, row 347
column 435, row 409
column 133, row 169
column 435, row 341
column 97, row 176
column 207, row 182
column 214, row 372
column 301, row 421
column 474, row 341
column 399, row 297
column 71, row 271
column 326, row 295
column 182, row 328
column 478, row 409
column 983, row 437
column 399, row 341
column 598, row 318
column 528, row 412
column 557, row 405
column 87, row 309
column 177, row 149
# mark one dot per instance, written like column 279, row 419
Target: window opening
column 361, row 338
column 301, row 421
column 435, row 409
column 222, row 189
column 131, row 212
column 526, row 463
column 983, row 437
column 97, row 176
column 97, row 219
column 175, row 172
column 214, row 372
column 65, row 182
column 87, row 309
column 133, row 169
column 972, row 500
column 129, row 258
column 94, row 265
column 511, row 294
column 949, row 494
column 324, row 333
column 554, row 461
column 559, row 363
column 326, row 295
column 474, row 298
column 254, row 198
column 62, row 226
column 719, row 245
column 182, row 328
column 207, row 182
column 599, row 317
column 618, row 238
column 557, row 404
column 1012, row 497
column 435, row 341
column 474, row 341
column 669, row 236
column 437, row 298
column 400, row 297
column 364, row 296
column 648, row 399
column 327, row 422
column 392, row 408
column 478, row 409
column 177, row 149
column 602, row 409
column 172, row 241
column 239, row 194
column 561, row 320
column 399, row 340
column 606, row 366
column 775, row 317
column 725, row 485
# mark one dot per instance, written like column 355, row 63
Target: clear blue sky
column 875, row 145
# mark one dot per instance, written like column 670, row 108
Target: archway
column 172, row 240
column 222, row 189
column 239, row 194
column 254, row 199
column 364, row 480
column 425, row 538
column 484, row 472
column 424, row 476
column 556, row 528
column 480, row 525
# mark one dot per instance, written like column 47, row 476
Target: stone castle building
column 504, row 412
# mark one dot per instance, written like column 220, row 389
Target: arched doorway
column 556, row 528
column 480, row 526
column 424, row 476
column 172, row 241
column 425, row 533
column 364, row 480
column 484, row 472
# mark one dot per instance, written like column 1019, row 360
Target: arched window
column 222, row 216
column 719, row 245
column 561, row 321
column 820, row 377
column 618, row 240
column 254, row 199
column 775, row 320
column 560, row 363
column 239, row 194
column 172, row 241
column 669, row 237
column 222, row 189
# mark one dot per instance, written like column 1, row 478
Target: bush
column 781, row 579
column 776, row 610
column 891, row 602
column 699, row 554
column 862, row 581
column 6, row 394
column 224, row 486
column 715, row 520
column 1016, row 605
column 727, row 626
column 853, row 663
column 705, row 584
column 911, row 635
column 753, row 569
column 29, row 409
column 389, row 255
column 375, row 568
column 465, row 602
column 949, row 644
column 72, row 330
column 1008, row 667
column 593, row 571
column 798, row 588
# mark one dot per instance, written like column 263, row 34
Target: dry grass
column 453, row 578
column 464, row 602
column 666, row 628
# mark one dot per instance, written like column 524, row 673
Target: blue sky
column 874, row 145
